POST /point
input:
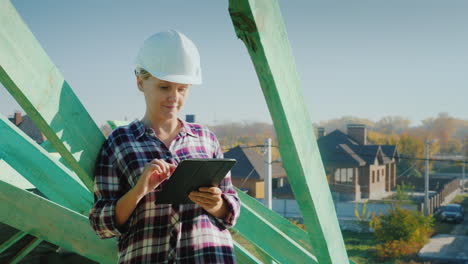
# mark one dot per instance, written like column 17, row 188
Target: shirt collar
column 186, row 129
column 139, row 129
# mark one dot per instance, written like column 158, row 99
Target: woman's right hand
column 155, row 172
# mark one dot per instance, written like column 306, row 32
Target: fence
column 444, row 195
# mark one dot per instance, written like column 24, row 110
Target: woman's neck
column 162, row 128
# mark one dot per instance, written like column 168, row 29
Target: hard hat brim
column 178, row 78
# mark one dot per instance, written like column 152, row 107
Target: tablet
column 190, row 175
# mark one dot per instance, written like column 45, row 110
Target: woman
column 136, row 159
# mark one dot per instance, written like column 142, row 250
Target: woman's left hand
column 210, row 199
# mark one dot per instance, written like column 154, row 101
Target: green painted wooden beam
column 25, row 251
column 49, row 176
column 19, row 182
column 49, row 221
column 282, row 224
column 259, row 24
column 37, row 85
column 255, row 226
column 116, row 123
column 244, row 256
column 11, row 241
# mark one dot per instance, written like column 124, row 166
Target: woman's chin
column 170, row 115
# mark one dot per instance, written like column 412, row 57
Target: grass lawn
column 461, row 199
column 361, row 248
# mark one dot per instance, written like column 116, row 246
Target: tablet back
column 190, row 175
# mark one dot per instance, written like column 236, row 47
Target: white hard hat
column 170, row 56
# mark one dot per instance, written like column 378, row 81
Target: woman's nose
column 173, row 97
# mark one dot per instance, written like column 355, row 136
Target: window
column 373, row 176
column 378, row 175
column 349, row 174
column 344, row 176
column 337, row 175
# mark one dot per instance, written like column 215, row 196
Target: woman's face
column 163, row 99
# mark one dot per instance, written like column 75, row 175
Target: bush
column 401, row 232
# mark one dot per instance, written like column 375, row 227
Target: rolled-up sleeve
column 106, row 195
column 229, row 195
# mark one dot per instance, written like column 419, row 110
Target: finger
column 157, row 162
column 172, row 167
column 206, row 196
column 167, row 169
column 156, row 169
column 214, row 190
column 202, row 202
column 162, row 164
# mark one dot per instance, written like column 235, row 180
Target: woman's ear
column 139, row 83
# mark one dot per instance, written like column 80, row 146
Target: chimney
column 18, row 117
column 358, row 132
column 320, row 132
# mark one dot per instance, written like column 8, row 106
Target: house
column 248, row 173
column 27, row 126
column 356, row 169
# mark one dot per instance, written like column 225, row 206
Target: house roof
column 29, row 128
column 390, row 151
column 250, row 164
column 339, row 150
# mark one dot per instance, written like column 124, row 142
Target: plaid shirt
column 162, row 233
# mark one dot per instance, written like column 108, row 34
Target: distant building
column 355, row 169
column 190, row 118
column 27, row 126
column 248, row 173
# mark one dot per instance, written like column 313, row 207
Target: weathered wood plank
column 25, row 251
column 280, row 246
column 37, row 85
column 244, row 256
column 49, row 176
column 58, row 225
column 19, row 182
column 283, row 225
column 11, row 241
column 116, row 123
column 258, row 23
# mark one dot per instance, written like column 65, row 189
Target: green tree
column 401, row 232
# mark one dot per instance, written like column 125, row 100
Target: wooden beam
column 19, row 181
column 116, row 123
column 49, row 176
column 37, row 85
column 11, row 241
column 58, row 225
column 25, row 251
column 244, row 256
column 264, row 229
column 270, row 217
column 258, row 23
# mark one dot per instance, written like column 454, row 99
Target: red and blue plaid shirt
column 162, row 233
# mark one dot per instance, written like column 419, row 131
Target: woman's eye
column 164, row 87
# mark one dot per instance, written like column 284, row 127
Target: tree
column 392, row 124
column 401, row 232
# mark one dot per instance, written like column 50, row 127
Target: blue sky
column 368, row 59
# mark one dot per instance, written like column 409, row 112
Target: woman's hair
column 142, row 73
